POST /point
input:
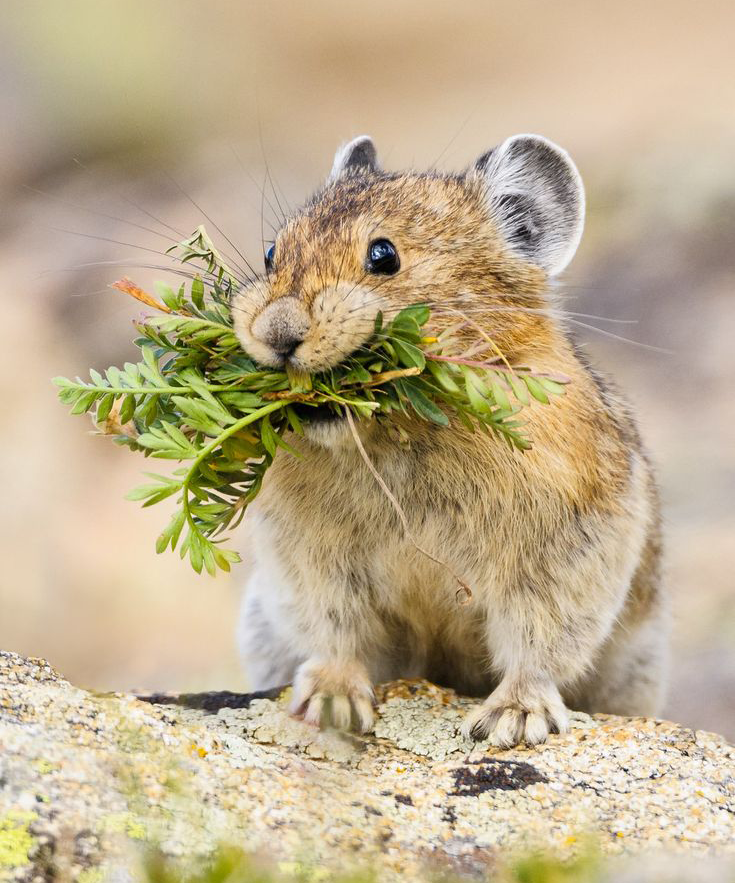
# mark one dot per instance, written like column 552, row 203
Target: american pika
column 561, row 543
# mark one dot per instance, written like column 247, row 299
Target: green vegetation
column 196, row 398
column 230, row 865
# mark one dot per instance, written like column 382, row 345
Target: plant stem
column 148, row 390
column 187, row 318
column 214, row 444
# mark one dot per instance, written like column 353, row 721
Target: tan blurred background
column 114, row 109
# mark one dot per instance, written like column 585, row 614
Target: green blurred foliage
column 233, row 865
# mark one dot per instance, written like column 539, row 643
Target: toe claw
column 364, row 714
column 315, row 710
column 341, row 712
column 537, row 728
column 509, row 729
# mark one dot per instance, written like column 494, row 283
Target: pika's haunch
column 561, row 544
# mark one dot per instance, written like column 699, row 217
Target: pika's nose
column 282, row 325
column 285, row 345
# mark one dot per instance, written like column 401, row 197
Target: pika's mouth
column 324, row 425
column 325, row 413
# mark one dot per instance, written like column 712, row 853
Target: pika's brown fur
column 560, row 544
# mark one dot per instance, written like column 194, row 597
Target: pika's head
column 483, row 243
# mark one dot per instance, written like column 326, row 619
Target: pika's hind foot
column 516, row 713
column 334, row 694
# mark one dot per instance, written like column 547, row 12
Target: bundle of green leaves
column 195, row 397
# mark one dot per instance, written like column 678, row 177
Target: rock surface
column 82, row 776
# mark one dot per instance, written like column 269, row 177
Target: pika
column 561, row 543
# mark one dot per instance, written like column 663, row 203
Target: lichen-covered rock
column 83, row 776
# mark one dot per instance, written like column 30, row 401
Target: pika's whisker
column 97, row 213
column 154, row 251
column 178, row 233
column 219, row 230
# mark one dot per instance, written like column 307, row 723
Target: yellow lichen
column 91, row 875
column 125, row 823
column 302, row 872
column 16, row 840
column 135, row 829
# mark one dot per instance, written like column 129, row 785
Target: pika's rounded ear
column 357, row 155
column 535, row 194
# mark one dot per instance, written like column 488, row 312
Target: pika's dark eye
column 269, row 256
column 382, row 257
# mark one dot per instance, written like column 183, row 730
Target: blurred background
column 124, row 124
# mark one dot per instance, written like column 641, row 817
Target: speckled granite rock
column 82, row 776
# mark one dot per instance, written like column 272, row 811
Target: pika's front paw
column 516, row 713
column 334, row 694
